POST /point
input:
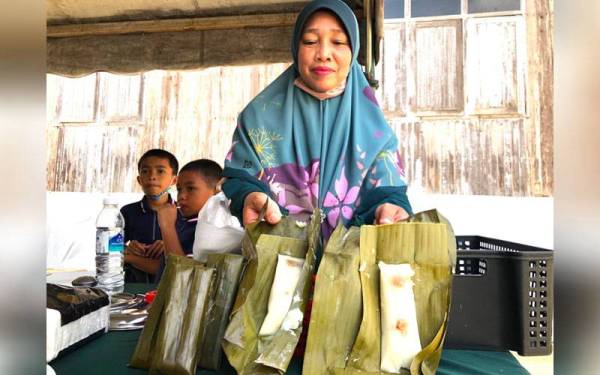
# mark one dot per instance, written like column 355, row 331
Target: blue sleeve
column 371, row 199
column 186, row 232
column 238, row 185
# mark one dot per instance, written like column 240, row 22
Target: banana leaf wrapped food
column 172, row 334
column 229, row 269
column 272, row 295
column 345, row 333
column 189, row 315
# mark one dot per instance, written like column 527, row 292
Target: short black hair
column 208, row 169
column 160, row 153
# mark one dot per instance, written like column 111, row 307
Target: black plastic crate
column 502, row 297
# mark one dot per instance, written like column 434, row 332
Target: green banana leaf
column 433, row 216
column 348, row 340
column 285, row 228
column 337, row 305
column 246, row 351
column 144, row 350
column 169, row 344
column 229, row 269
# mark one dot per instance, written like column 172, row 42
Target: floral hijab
column 328, row 154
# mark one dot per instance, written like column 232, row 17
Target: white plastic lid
column 110, row 200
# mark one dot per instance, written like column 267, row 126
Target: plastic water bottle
column 110, row 248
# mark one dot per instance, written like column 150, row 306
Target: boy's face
column 155, row 175
column 192, row 193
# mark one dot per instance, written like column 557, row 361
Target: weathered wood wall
column 470, row 99
column 474, row 156
column 540, row 90
column 99, row 125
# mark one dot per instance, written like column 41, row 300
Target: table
column 110, row 353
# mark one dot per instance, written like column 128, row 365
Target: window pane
column 393, row 9
column 438, row 66
column 119, row 96
column 426, row 8
column 480, row 6
column 393, row 88
column 78, row 99
column 495, row 68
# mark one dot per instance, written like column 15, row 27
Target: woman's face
column 324, row 52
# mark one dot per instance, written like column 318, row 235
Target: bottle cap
column 149, row 296
column 110, row 200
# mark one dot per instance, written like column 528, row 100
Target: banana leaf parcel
column 172, row 334
column 248, row 351
column 229, row 269
column 345, row 334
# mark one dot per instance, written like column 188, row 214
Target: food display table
column 110, row 354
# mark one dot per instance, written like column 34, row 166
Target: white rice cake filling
column 400, row 341
column 286, row 278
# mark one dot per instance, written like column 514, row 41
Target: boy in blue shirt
column 197, row 181
column 157, row 171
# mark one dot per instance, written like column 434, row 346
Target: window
column 429, row 8
column 393, row 9
column 438, row 70
column 481, row 6
column 77, row 103
column 494, row 65
column 440, row 58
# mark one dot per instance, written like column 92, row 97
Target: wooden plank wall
column 471, row 101
column 540, row 90
column 465, row 156
column 469, row 98
column 99, row 125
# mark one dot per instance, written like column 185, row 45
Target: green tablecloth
column 110, row 354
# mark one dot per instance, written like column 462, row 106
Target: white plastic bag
column 217, row 231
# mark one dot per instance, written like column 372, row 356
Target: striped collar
column 146, row 206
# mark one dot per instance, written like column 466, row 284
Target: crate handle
column 470, row 267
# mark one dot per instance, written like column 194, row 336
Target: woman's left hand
column 388, row 213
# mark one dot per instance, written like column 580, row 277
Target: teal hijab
column 337, row 154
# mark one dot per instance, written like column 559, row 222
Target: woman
column 316, row 137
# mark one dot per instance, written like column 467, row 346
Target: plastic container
column 502, row 297
column 109, row 248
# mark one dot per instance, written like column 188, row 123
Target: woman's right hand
column 253, row 205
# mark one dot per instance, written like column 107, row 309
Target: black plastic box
column 502, row 297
